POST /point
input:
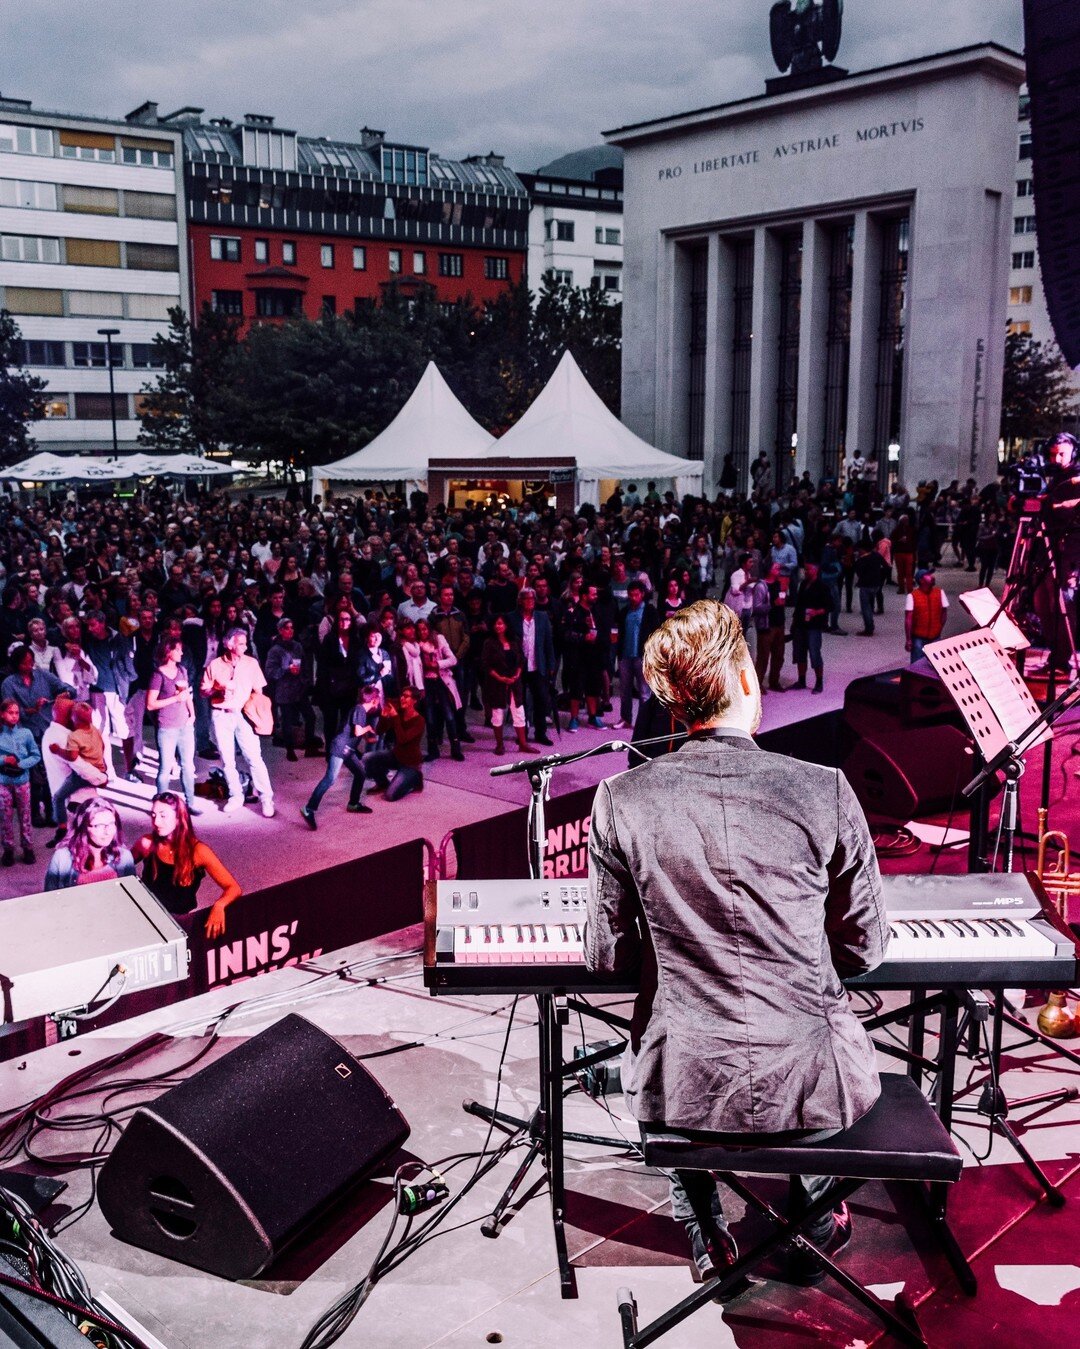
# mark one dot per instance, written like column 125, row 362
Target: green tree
column 585, row 322
column 21, row 394
column 1036, row 394
column 189, row 404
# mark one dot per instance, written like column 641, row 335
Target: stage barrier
column 280, row 925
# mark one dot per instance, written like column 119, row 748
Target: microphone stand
column 544, row 1126
column 993, row 1103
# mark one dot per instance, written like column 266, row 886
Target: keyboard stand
column 545, row 1125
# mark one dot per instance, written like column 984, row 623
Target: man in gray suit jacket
column 744, row 886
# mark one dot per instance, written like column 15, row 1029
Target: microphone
column 554, row 760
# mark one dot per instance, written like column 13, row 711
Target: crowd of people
column 369, row 634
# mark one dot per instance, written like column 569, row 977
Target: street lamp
column 108, row 334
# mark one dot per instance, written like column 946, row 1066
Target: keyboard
column 975, row 931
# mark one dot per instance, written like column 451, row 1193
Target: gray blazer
column 743, row 885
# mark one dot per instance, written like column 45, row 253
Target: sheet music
column 999, row 690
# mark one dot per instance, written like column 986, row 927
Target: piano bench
column 899, row 1139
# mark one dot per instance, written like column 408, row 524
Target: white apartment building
column 575, row 220
column 91, row 238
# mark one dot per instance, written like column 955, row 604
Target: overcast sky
column 461, row 76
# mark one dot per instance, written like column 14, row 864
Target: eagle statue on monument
column 802, row 32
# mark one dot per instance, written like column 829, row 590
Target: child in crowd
column 85, row 752
column 18, row 754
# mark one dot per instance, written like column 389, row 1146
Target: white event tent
column 568, row 418
column 433, row 423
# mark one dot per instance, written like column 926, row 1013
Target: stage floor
column 262, row 852
column 463, row 1289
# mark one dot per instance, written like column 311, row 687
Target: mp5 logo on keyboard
column 1000, row 902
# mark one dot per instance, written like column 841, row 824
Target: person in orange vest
column 925, row 611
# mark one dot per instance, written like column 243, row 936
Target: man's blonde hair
column 693, row 658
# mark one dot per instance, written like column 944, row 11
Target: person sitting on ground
column 394, row 771
column 355, row 738
column 94, row 850
column 175, row 863
column 18, row 754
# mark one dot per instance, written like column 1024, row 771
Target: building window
column 28, row 248
column 57, row 406
column 787, row 375
column 404, row 166
column 262, row 250
column 88, row 145
column 151, row 306
column 612, row 236
column 96, row 303
column 1024, row 224
column 1023, row 260
column 359, row 258
column 27, row 196
column 1019, row 326
column 1025, row 187
column 91, row 200
column 1025, row 145
column 698, row 267
column 92, row 354
column 1019, row 294
column 496, row 269
column 742, row 334
column 146, row 356
column 892, row 323
column 451, row 264
column 150, row 205
column 30, row 300
column 599, row 234
column 288, row 252
column 279, row 304
column 1024, row 111
column 224, row 248
column 97, row 407
column 93, row 252
column 838, row 348
column 148, row 154
column 27, row 140
column 329, row 306
column 564, row 231
column 44, row 353
column 227, row 302
column 558, row 277
column 153, row 257
column 419, row 264
column 326, row 255
column 395, row 261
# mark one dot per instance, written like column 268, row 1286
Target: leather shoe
column 803, row 1266
column 714, row 1251
column 543, row 740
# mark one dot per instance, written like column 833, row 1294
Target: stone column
column 718, row 375
column 764, row 356
column 862, row 362
column 813, row 325
column 673, row 381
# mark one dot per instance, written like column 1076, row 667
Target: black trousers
column 536, row 700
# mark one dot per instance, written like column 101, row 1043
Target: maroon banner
column 499, row 847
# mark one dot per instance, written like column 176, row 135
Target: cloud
column 529, row 81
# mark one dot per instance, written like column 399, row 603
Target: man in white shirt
column 418, row 606
column 229, row 681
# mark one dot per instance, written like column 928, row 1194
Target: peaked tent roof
column 432, row 424
column 568, row 417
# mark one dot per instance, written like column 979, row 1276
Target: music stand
column 1005, row 721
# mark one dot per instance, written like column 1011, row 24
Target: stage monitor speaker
column 223, row 1171
column 1052, row 47
column 904, row 775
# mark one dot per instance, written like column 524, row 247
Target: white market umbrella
column 46, row 467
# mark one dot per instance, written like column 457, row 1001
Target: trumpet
column 1053, row 862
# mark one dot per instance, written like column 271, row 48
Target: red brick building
column 283, row 225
